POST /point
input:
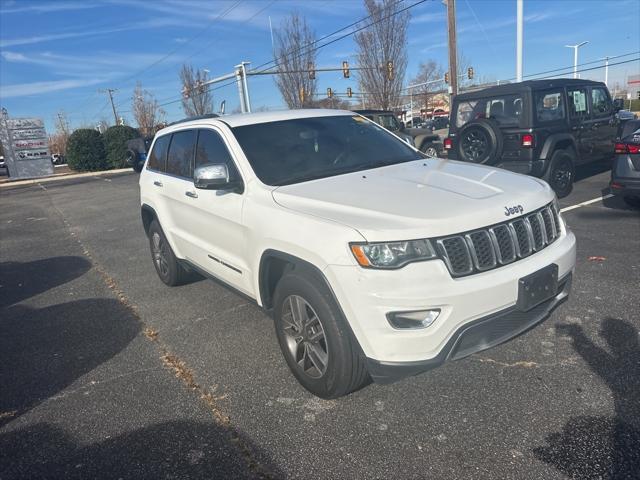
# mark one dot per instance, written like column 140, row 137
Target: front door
column 582, row 125
column 216, row 240
column 606, row 123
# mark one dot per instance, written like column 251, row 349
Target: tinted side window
column 549, row 106
column 212, row 149
column 600, row 101
column 577, row 100
column 180, row 157
column 158, row 156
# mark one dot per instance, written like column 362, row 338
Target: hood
column 419, row 199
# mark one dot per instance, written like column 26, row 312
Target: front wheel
column 561, row 172
column 430, row 150
column 317, row 344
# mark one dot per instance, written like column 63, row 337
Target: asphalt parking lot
column 107, row 373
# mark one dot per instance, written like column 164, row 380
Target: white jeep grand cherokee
column 375, row 261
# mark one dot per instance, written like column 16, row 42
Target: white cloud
column 47, row 7
column 38, row 88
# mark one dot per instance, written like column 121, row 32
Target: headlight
column 392, row 254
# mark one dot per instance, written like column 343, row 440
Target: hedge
column 85, row 150
column 115, row 144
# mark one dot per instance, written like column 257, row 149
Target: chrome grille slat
column 488, row 248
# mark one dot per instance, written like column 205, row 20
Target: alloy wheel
column 304, row 336
column 475, row 145
column 159, row 251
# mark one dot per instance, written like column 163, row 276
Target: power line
column 275, row 63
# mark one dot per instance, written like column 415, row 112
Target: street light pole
column 575, row 56
column 519, row 37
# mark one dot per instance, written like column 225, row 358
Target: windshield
column 293, row 151
column 389, row 121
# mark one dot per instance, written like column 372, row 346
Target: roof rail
column 197, row 117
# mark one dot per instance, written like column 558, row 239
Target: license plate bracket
column 537, row 287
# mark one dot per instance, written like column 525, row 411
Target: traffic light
column 446, row 77
column 312, row 71
column 390, row 70
column 349, row 92
column 345, row 69
column 329, row 92
column 470, row 73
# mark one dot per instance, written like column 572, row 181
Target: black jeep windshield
column 293, row 151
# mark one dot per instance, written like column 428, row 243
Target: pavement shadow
column 23, row 280
column 45, row 350
column 175, row 449
column 592, row 169
column 603, row 447
column 616, row 202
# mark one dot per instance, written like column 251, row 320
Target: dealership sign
column 26, row 147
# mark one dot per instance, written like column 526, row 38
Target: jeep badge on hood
column 508, row 211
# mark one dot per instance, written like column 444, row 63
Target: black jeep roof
column 528, row 85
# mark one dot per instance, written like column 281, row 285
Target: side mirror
column 212, row 177
column 618, row 104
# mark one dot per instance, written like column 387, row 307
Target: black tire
column 137, row 166
column 167, row 266
column 633, row 202
column 344, row 368
column 561, row 172
column 480, row 141
column 433, row 149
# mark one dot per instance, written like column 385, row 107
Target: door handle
column 157, row 183
column 191, row 194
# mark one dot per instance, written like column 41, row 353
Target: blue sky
column 56, row 55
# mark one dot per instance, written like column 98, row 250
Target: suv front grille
column 484, row 249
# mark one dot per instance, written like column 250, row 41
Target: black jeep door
column 605, row 123
column 582, row 125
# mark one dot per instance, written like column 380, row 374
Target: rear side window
column 549, row 106
column 600, row 102
column 158, row 156
column 211, row 150
column 180, row 157
column 577, row 99
column 505, row 110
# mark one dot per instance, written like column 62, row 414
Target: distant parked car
column 57, row 159
column 440, row 122
column 543, row 128
column 625, row 172
column 137, row 152
column 420, row 138
column 415, row 122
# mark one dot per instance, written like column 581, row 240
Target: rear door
column 605, row 123
column 178, row 179
column 582, row 125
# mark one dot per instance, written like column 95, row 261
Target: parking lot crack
column 209, row 397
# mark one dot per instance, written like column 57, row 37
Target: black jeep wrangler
column 543, row 128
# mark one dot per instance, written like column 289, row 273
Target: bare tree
column 332, row 102
column 294, row 54
column 197, row 99
column 58, row 140
column 146, row 111
column 428, row 71
column 385, row 40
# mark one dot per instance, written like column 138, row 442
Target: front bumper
column 367, row 295
column 474, row 337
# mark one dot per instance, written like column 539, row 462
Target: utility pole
column 63, row 124
column 519, row 38
column 606, row 71
column 575, row 56
column 110, row 92
column 453, row 51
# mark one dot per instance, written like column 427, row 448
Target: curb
column 63, row 176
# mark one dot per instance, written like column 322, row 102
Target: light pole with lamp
column 575, row 56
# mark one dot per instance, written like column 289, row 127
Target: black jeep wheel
column 561, row 172
column 480, row 141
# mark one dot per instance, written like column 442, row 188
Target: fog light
column 414, row 319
